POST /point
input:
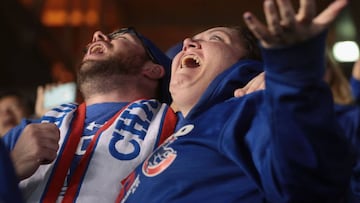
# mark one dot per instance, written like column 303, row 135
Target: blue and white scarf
column 122, row 143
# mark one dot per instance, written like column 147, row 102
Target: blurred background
column 43, row 40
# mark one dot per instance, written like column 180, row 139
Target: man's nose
column 98, row 35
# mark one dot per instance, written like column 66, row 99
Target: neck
column 113, row 96
column 118, row 89
column 184, row 102
column 183, row 109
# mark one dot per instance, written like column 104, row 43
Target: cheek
column 231, row 58
column 175, row 62
column 177, row 80
column 18, row 113
column 231, row 53
column 219, row 65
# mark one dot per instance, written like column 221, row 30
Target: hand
column 257, row 83
column 40, row 110
column 285, row 27
column 38, row 144
column 39, row 103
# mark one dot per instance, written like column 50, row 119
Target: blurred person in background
column 355, row 81
column 337, row 81
column 13, row 107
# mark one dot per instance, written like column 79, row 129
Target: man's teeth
column 96, row 49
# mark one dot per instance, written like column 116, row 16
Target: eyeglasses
column 132, row 31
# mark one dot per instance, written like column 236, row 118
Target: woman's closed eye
column 215, row 38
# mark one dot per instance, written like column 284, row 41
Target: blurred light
column 92, row 17
column 58, row 13
column 346, row 51
column 75, row 18
column 54, row 17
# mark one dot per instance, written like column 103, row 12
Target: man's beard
column 106, row 75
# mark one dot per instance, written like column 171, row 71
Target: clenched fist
column 38, row 144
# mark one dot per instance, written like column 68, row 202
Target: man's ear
column 154, row 71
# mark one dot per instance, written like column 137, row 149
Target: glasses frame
column 131, row 30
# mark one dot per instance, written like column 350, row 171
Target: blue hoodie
column 282, row 144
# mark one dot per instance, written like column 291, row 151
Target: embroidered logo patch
column 165, row 155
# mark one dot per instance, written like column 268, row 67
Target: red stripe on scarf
column 80, row 171
column 169, row 125
column 64, row 162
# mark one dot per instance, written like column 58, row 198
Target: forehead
column 14, row 97
column 230, row 36
column 225, row 31
column 9, row 101
column 125, row 32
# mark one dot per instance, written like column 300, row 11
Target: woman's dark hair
column 250, row 42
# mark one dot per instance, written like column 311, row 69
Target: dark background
column 31, row 45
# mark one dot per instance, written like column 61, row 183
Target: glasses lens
column 118, row 32
column 131, row 30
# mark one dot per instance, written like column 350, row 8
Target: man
column 82, row 152
column 277, row 145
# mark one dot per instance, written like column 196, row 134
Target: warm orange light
column 57, row 17
column 92, row 18
column 69, row 12
column 52, row 17
column 75, row 18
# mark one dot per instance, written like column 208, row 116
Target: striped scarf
column 122, row 143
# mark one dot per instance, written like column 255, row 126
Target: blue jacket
column 282, row 144
column 9, row 191
column 349, row 119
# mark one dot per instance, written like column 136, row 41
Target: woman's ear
column 154, row 71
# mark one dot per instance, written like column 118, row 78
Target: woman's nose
column 190, row 43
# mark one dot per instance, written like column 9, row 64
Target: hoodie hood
column 224, row 85
column 165, row 61
column 174, row 50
